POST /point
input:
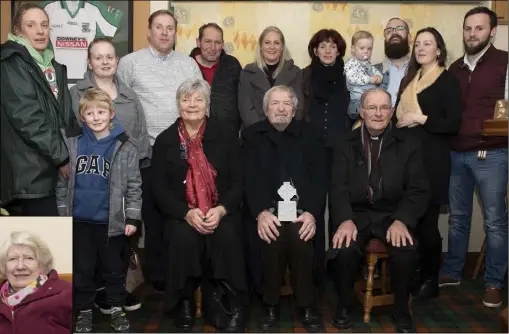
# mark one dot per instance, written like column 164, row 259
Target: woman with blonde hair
column 273, row 66
column 32, row 297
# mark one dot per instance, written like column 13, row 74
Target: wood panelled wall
column 141, row 12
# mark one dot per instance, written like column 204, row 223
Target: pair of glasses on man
column 392, row 30
column 372, row 109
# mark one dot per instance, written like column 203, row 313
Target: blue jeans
column 489, row 176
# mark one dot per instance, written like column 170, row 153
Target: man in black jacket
column 379, row 190
column 221, row 71
column 283, row 152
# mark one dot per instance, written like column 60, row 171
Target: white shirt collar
column 157, row 56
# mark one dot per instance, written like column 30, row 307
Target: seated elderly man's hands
column 347, row 232
column 308, row 229
column 267, row 229
column 213, row 217
column 397, row 234
column 195, row 218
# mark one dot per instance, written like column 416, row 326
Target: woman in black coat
column 198, row 187
column 325, row 104
column 429, row 103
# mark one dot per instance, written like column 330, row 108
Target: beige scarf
column 408, row 102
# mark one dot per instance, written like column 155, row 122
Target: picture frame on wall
column 75, row 24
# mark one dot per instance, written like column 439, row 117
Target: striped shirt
column 155, row 81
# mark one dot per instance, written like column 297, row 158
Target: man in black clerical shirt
column 283, row 159
column 379, row 189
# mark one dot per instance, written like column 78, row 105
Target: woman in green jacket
column 35, row 108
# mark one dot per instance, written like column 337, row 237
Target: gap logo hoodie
column 93, row 164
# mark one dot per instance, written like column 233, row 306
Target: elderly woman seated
column 199, row 190
column 32, row 297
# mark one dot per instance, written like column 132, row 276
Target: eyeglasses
column 372, row 109
column 398, row 29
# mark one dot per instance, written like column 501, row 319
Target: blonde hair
column 28, row 239
column 285, row 55
column 361, row 34
column 94, row 97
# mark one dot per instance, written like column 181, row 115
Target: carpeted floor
column 458, row 309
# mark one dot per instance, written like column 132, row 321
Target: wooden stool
column 375, row 250
column 198, row 299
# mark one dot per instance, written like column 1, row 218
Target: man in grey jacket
column 397, row 51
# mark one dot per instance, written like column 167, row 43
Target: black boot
column 342, row 319
column 186, row 311
column 428, row 276
column 237, row 312
column 311, row 320
column 269, row 318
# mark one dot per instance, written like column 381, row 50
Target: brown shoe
column 492, row 297
column 448, row 281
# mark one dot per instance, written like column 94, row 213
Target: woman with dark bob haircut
column 325, row 104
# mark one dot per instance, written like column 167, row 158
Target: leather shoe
column 311, row 320
column 341, row 318
column 428, row 289
column 269, row 318
column 237, row 322
column 185, row 314
column 403, row 322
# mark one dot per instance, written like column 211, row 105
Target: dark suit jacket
column 441, row 102
column 404, row 182
column 221, row 148
column 302, row 152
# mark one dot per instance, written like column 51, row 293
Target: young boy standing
column 103, row 195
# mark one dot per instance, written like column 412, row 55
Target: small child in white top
column 360, row 74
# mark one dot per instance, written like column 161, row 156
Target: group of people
column 231, row 169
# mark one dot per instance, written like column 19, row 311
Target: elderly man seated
column 379, row 189
column 284, row 185
column 32, row 297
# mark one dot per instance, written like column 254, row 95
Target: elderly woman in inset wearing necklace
column 199, row 190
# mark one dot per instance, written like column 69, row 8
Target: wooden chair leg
column 384, row 276
column 198, row 299
column 480, row 260
column 368, row 297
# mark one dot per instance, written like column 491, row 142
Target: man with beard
column 477, row 161
column 221, row 71
column 397, row 51
column 283, row 167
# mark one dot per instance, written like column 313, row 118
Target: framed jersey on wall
column 75, row 24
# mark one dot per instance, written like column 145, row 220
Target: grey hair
column 364, row 95
column 191, row 86
column 280, row 88
column 285, row 55
column 28, row 239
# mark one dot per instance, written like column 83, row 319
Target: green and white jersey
column 74, row 25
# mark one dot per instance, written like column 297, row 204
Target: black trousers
column 155, row 250
column 43, row 207
column 344, row 268
column 430, row 243
column 91, row 248
column 289, row 249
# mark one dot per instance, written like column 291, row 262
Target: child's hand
column 376, row 80
column 130, row 230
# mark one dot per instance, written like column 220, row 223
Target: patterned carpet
column 458, row 310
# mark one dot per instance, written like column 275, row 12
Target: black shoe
column 131, row 303
column 311, row 320
column 158, row 286
column 403, row 322
column 100, row 302
column 342, row 319
column 237, row 322
column 428, row 289
column 269, row 319
column 185, row 314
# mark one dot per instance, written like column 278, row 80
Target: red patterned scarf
column 201, row 189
